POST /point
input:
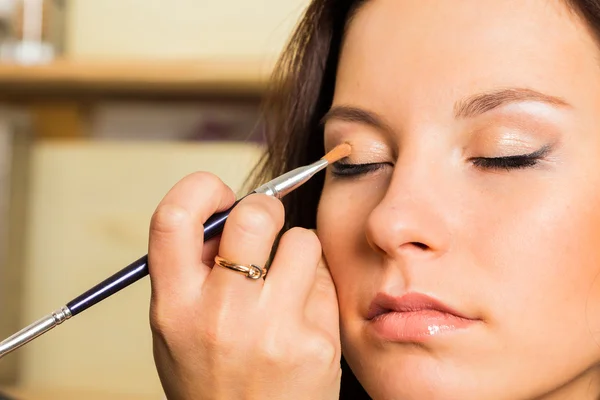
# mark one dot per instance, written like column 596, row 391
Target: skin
column 515, row 249
column 220, row 335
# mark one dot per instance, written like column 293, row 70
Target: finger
column 175, row 244
column 322, row 310
column 210, row 250
column 293, row 271
column 247, row 239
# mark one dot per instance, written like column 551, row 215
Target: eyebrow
column 484, row 102
column 467, row 108
column 354, row 114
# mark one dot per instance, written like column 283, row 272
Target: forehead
column 419, row 53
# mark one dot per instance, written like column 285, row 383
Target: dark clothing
column 350, row 388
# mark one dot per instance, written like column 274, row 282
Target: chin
column 412, row 377
column 414, row 372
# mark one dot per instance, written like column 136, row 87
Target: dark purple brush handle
column 137, row 270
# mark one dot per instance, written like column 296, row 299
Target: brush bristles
column 338, row 152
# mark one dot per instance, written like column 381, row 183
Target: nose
column 410, row 219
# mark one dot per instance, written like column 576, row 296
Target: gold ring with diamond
column 251, row 271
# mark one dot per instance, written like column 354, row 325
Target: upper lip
column 410, row 302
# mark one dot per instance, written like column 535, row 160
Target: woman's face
column 479, row 122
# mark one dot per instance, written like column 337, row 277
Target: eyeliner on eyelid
column 518, row 161
column 343, row 170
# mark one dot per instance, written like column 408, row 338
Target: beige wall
column 90, row 205
column 180, row 28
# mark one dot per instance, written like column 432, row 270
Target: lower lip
column 417, row 326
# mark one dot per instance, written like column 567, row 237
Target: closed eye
column 518, row 161
column 344, row 170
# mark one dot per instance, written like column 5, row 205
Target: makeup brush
column 277, row 187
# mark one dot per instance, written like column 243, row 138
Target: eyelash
column 345, row 170
column 520, row 161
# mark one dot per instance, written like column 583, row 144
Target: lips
column 411, row 302
column 413, row 317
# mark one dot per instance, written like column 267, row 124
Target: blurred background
column 104, row 105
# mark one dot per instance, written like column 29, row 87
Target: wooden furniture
column 59, row 95
column 140, row 78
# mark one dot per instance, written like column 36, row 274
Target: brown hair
column 301, row 92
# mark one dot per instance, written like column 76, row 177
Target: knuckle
column 273, row 352
column 215, row 340
column 169, row 331
column 307, row 239
column 210, row 183
column 257, row 216
column 206, row 180
column 314, row 352
column 168, row 218
column 210, row 337
column 324, row 352
column 160, row 324
column 156, row 323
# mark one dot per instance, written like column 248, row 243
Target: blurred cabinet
column 15, row 146
column 89, row 209
column 149, row 78
column 8, row 308
column 63, row 96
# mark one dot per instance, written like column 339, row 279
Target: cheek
column 340, row 225
column 539, row 255
column 341, row 219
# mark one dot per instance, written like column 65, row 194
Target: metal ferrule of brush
column 289, row 181
column 34, row 330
